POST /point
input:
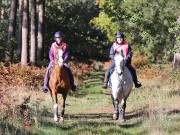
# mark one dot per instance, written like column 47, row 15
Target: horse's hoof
column 55, row 119
column 115, row 116
column 61, row 119
column 122, row 120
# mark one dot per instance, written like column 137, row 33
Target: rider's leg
column 71, row 78
column 46, row 78
column 134, row 75
column 107, row 75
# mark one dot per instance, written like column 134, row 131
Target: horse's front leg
column 63, row 106
column 116, row 105
column 54, row 98
column 122, row 111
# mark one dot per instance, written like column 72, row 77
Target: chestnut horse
column 59, row 83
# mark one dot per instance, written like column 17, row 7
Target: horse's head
column 59, row 57
column 119, row 61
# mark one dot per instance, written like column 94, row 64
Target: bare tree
column 0, row 12
column 33, row 32
column 24, row 52
column 41, row 30
column 176, row 61
column 11, row 30
column 20, row 26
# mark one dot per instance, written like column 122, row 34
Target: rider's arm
column 66, row 54
column 112, row 53
column 51, row 54
column 129, row 55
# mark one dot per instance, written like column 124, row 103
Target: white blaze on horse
column 59, row 83
column 121, row 86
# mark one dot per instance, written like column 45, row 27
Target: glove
column 125, row 61
column 65, row 64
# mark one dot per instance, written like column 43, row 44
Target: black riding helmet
column 120, row 35
column 58, row 34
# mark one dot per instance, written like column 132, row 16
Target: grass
column 151, row 110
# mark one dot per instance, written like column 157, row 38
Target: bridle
column 122, row 68
column 59, row 57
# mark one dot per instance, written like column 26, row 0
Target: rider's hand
column 125, row 61
column 65, row 64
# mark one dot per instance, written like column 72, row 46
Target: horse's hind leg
column 63, row 106
column 54, row 98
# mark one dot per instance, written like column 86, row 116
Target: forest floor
column 153, row 109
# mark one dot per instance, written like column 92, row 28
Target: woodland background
column 27, row 28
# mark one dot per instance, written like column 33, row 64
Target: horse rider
column 59, row 43
column 121, row 42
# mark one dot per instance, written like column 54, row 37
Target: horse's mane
column 59, row 73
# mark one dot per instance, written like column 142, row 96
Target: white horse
column 121, row 86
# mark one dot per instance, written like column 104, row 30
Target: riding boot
column 46, row 81
column 107, row 75
column 46, row 78
column 134, row 76
column 106, row 78
column 71, row 78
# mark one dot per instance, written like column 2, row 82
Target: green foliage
column 5, row 5
column 104, row 23
column 3, row 37
column 175, row 30
column 150, row 26
column 73, row 19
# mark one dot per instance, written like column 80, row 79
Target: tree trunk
column 33, row 32
column 176, row 61
column 20, row 27
column 11, row 31
column 0, row 13
column 24, row 52
column 41, row 30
